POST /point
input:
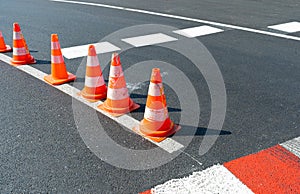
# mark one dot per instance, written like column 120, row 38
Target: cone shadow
column 200, row 131
column 41, row 62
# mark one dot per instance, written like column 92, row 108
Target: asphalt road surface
column 41, row 147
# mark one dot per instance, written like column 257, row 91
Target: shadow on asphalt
column 200, row 131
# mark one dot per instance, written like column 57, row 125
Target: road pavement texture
column 41, row 148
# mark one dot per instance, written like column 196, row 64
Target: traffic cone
column 94, row 86
column 4, row 47
column 21, row 54
column 118, row 101
column 59, row 74
column 156, row 124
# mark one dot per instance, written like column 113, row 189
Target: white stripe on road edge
column 5, row 58
column 184, row 18
column 168, row 145
column 81, row 51
column 150, row 39
column 293, row 146
column 289, row 27
column 198, row 31
column 216, row 179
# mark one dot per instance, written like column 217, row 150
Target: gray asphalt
column 41, row 148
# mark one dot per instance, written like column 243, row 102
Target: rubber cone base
column 55, row 81
column 7, row 49
column 173, row 129
column 92, row 98
column 29, row 61
column 116, row 112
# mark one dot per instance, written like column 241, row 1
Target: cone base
column 116, row 112
column 55, row 81
column 7, row 49
column 27, row 62
column 161, row 135
column 92, row 97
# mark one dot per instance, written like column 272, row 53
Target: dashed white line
column 198, row 31
column 184, row 18
column 81, row 51
column 168, row 145
column 150, row 39
column 289, row 27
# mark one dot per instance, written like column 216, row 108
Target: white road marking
column 150, row 39
column 5, row 58
column 82, row 50
column 293, row 146
column 216, row 179
column 198, row 31
column 168, row 145
column 184, row 18
column 289, row 27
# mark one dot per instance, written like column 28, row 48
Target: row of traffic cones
column 156, row 124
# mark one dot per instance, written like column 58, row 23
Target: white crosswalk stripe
column 150, row 39
column 82, row 50
column 198, row 31
column 289, row 27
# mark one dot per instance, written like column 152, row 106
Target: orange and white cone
column 118, row 101
column 21, row 54
column 4, row 47
column 156, row 124
column 94, row 85
column 59, row 74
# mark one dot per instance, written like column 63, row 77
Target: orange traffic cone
column 21, row 55
column 59, row 74
column 156, row 124
column 3, row 47
column 94, row 85
column 118, row 101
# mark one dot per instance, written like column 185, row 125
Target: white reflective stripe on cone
column 155, row 89
column 117, row 94
column 1, row 34
column 93, row 82
column 19, row 51
column 57, row 59
column 156, row 114
column 17, row 36
column 92, row 61
column 115, row 71
column 55, row 45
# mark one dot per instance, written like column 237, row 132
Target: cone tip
column 54, row 37
column 92, row 51
column 156, row 77
column 115, row 59
column 16, row 27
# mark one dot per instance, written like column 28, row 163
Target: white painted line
column 150, row 39
column 293, row 146
column 184, row 18
column 4, row 58
column 198, row 31
column 289, row 27
column 216, row 179
column 32, row 71
column 168, row 145
column 82, row 50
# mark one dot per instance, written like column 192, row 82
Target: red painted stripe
column 146, row 192
column 274, row 170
